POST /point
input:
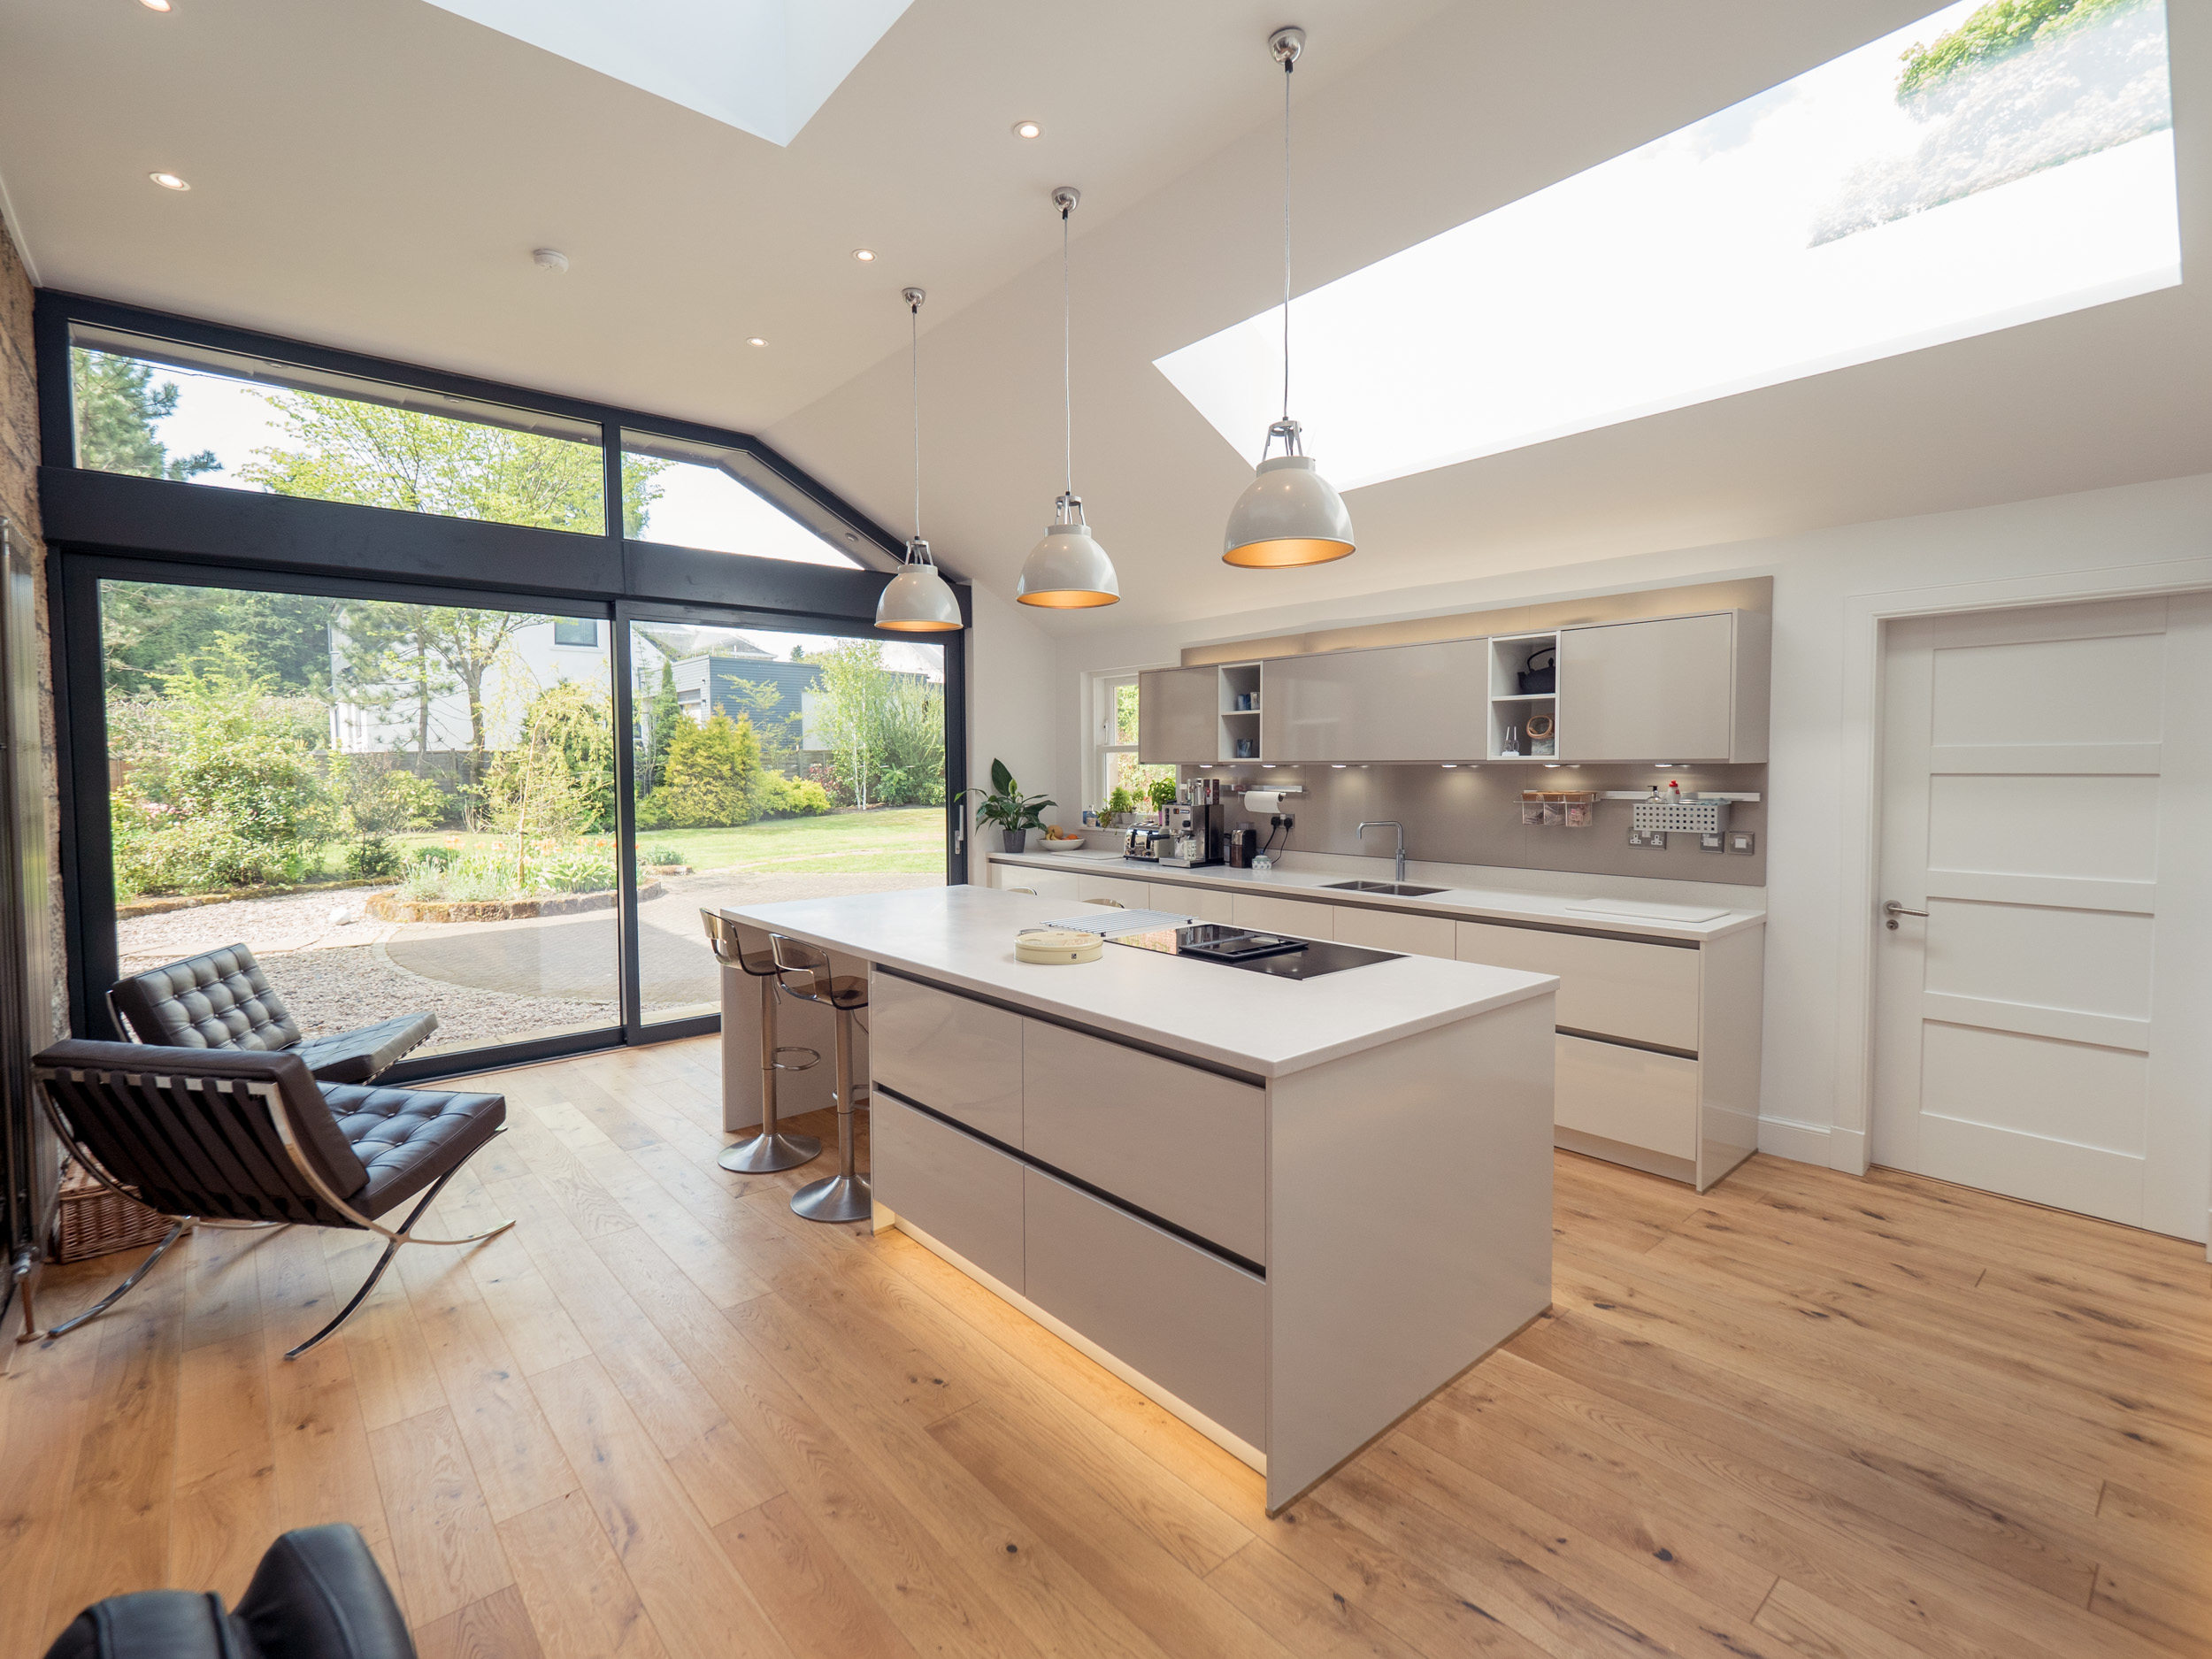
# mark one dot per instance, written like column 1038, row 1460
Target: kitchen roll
column 1262, row 803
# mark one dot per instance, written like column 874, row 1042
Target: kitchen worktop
column 1635, row 917
column 964, row 937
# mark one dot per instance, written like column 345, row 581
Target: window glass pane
column 162, row 410
column 698, row 496
column 772, row 766
column 1125, row 715
column 575, row 631
column 398, row 808
column 1123, row 772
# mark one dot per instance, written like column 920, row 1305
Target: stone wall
column 18, row 500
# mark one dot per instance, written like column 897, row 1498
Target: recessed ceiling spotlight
column 756, row 341
column 155, row 5
column 168, row 181
column 866, row 256
column 548, row 259
column 1022, row 129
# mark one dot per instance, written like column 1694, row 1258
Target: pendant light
column 1068, row 570
column 918, row 600
column 1290, row 514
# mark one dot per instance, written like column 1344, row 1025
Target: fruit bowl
column 1072, row 844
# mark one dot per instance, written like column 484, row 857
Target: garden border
column 388, row 906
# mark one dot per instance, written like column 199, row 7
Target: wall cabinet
column 1179, row 716
column 1676, row 688
column 1405, row 703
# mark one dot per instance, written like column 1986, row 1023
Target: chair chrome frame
column 846, row 1195
column 770, row 1149
column 273, row 1102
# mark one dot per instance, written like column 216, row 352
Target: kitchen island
column 1287, row 1209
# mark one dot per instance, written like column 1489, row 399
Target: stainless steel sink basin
column 1396, row 889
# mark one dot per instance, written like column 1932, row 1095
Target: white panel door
column 2041, row 1030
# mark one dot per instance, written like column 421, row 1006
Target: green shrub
column 663, row 853
column 200, row 855
column 713, row 774
column 1995, row 31
column 368, row 860
column 779, row 797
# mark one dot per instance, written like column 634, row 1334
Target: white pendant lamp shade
column 918, row 600
column 1068, row 570
column 1290, row 515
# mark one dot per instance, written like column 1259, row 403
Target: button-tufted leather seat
column 223, row 1000
column 197, row 1134
column 318, row 1594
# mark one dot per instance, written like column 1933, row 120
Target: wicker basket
column 93, row 1221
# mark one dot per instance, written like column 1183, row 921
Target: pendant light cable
column 1067, row 351
column 914, row 370
column 1289, row 63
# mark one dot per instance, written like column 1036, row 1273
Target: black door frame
column 101, row 525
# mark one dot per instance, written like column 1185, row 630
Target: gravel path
column 299, row 921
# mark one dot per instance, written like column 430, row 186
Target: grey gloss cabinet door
column 1663, row 689
column 1179, row 716
column 951, row 1054
column 1398, row 702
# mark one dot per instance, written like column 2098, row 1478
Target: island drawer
column 1617, row 987
column 1186, row 1319
column 952, row 1054
column 961, row 1193
column 1183, row 1144
column 1628, row 1095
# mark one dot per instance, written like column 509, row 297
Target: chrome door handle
column 1893, row 910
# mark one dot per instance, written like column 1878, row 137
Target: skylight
column 764, row 66
column 1964, row 174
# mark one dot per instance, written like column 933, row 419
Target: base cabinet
column 1631, row 1096
column 966, row 1195
column 1299, row 917
column 1188, row 1320
column 1046, row 884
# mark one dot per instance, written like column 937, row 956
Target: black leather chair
column 222, row 999
column 317, row 1595
column 228, row 1135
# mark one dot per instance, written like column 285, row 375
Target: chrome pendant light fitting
column 1289, row 514
column 918, row 600
column 1068, row 570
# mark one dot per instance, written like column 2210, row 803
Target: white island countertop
column 1651, row 919
column 962, row 937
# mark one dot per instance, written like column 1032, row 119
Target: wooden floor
column 1802, row 1414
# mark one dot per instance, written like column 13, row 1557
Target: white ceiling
column 390, row 205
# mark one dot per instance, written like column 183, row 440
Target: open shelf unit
column 1239, row 680
column 1510, row 706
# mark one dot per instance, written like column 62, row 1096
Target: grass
column 908, row 839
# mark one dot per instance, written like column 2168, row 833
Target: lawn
column 896, row 841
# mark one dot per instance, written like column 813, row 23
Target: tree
column 852, row 685
column 417, row 653
column 884, row 730
column 375, row 455
column 558, row 778
column 763, row 699
column 713, row 772
column 152, row 628
column 664, row 716
column 117, row 406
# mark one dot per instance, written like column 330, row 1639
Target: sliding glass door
column 399, row 806
column 768, row 766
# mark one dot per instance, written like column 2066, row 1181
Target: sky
column 1692, row 267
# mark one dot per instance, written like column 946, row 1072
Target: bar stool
column 748, row 950
column 844, row 1196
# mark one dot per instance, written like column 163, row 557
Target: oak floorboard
column 1799, row 1416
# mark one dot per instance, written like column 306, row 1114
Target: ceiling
column 391, row 207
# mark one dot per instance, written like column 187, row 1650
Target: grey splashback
column 1472, row 815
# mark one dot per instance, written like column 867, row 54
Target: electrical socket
column 1283, row 821
column 1656, row 841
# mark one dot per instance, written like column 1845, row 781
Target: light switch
column 1710, row 842
column 1742, row 842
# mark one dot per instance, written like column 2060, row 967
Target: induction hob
column 1282, row 955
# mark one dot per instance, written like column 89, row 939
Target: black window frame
column 106, row 526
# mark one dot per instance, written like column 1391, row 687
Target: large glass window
column 399, row 807
column 160, row 410
column 770, row 766
column 697, row 495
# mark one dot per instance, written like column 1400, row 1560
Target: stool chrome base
column 766, row 1154
column 837, row 1198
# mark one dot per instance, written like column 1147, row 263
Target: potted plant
column 1119, row 805
column 1004, row 805
column 1161, row 793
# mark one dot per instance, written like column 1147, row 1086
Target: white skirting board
column 886, row 1219
column 1786, row 1138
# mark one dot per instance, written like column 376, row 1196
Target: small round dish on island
column 1054, row 945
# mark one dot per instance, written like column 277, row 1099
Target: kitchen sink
column 1396, row 889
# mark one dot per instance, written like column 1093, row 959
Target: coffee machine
column 1194, row 824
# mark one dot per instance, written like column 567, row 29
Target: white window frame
column 1100, row 749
